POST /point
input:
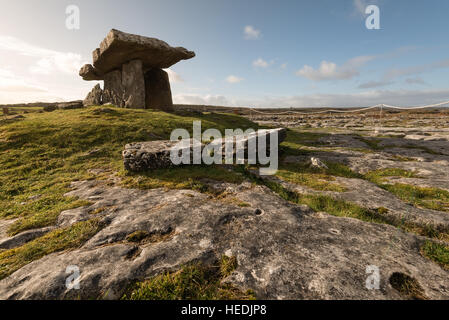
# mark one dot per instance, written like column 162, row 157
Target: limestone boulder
column 70, row 105
column 152, row 155
column 50, row 108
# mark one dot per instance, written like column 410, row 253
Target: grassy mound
column 43, row 153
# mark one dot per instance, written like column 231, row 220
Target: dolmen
column 132, row 69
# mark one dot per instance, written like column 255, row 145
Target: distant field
column 21, row 109
column 30, row 107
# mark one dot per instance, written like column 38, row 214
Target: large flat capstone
column 120, row 47
column 150, row 155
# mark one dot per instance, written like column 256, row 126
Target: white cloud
column 360, row 99
column 283, row 66
column 234, row 79
column 417, row 80
column 196, row 99
column 173, row 76
column 330, row 71
column 251, row 33
column 261, row 63
column 47, row 61
column 32, row 73
column 390, row 75
column 374, row 84
column 326, row 71
column 9, row 82
column 361, row 5
column 15, row 89
column 399, row 72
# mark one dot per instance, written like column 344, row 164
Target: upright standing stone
column 157, row 90
column 94, row 98
column 113, row 89
column 133, row 83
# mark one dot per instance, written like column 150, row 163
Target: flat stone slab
column 120, row 47
column 150, row 155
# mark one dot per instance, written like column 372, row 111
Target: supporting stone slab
column 113, row 89
column 133, row 83
column 125, row 88
column 157, row 90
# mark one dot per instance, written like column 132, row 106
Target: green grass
column 316, row 178
column 310, row 177
column 321, row 179
column 227, row 265
column 137, row 236
column 341, row 170
column 430, row 198
column 186, row 177
column 21, row 110
column 57, row 240
column 437, row 252
column 297, row 140
column 192, row 282
column 378, row 176
column 41, row 213
column 372, row 143
column 43, row 153
column 400, row 158
column 320, row 203
column 425, row 149
column 421, row 197
column 342, row 208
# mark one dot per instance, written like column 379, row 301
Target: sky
column 248, row 53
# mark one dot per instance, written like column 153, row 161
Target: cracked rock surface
column 284, row 251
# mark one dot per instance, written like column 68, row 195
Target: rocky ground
column 353, row 193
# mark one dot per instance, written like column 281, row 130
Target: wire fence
column 378, row 106
column 377, row 127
